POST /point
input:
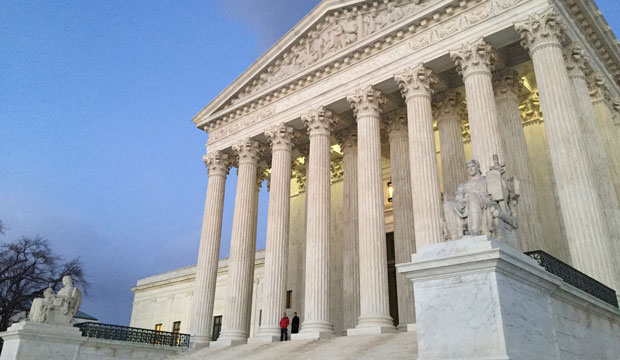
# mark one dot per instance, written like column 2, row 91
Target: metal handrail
column 131, row 334
column 574, row 277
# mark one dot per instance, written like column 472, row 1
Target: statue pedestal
column 29, row 340
column 477, row 298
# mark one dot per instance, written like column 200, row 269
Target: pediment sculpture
column 336, row 32
column 57, row 308
column 484, row 205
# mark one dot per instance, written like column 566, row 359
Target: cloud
column 269, row 20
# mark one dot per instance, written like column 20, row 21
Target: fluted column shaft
column 218, row 165
column 404, row 236
column 236, row 320
column 475, row 62
column 316, row 321
column 599, row 162
column 274, row 294
column 350, row 244
column 581, row 208
column 601, row 101
column 367, row 105
column 507, row 87
column 448, row 105
column 415, row 85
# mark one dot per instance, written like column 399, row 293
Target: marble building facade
column 363, row 93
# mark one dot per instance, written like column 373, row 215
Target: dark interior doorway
column 391, row 264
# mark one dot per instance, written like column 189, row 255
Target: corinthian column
column 316, row 322
column 416, row 87
column 448, row 108
column 475, row 62
column 367, row 105
column 218, row 165
column 350, row 245
column 507, row 87
column 581, row 208
column 236, row 319
column 404, row 237
column 599, row 161
column 274, row 291
column 603, row 107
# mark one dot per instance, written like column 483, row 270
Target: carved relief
column 281, row 136
column 507, row 83
column 575, row 60
column 448, row 103
column 366, row 101
column 248, row 150
column 336, row 32
column 298, row 58
column 217, row 163
column 540, row 29
column 599, row 91
column 320, row 121
column 416, row 81
column 530, row 110
column 474, row 57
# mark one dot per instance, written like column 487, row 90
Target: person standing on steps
column 295, row 324
column 284, row 327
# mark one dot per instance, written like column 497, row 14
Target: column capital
column 347, row 138
column 263, row 173
column 507, row 83
column 599, row 91
column 248, row 150
column 474, row 57
column 217, row 162
column 416, row 81
column 448, row 103
column 540, row 30
column 575, row 60
column 530, row 109
column 319, row 122
column 395, row 123
column 366, row 101
column 281, row 137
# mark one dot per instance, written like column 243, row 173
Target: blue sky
column 97, row 150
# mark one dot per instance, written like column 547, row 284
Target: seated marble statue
column 483, row 205
column 57, row 308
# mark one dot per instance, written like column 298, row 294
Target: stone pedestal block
column 477, row 298
column 34, row 341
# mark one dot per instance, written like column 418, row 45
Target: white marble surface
column 35, row 341
column 477, row 298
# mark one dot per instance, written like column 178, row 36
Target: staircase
column 384, row 347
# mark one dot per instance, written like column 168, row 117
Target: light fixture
column 390, row 190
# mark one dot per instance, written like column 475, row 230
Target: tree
column 27, row 267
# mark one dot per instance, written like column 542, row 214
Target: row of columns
column 495, row 126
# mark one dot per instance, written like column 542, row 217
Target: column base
column 224, row 343
column 264, row 339
column 406, row 328
column 371, row 330
column 412, row 327
column 312, row 335
column 199, row 342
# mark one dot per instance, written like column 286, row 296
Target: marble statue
column 483, row 205
column 59, row 308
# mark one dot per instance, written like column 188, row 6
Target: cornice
column 596, row 32
column 437, row 11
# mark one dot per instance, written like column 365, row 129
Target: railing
column 135, row 335
column 574, row 277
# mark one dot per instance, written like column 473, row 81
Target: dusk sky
column 98, row 153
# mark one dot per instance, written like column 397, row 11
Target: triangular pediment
column 331, row 29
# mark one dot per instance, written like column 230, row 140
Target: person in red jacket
column 284, row 328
